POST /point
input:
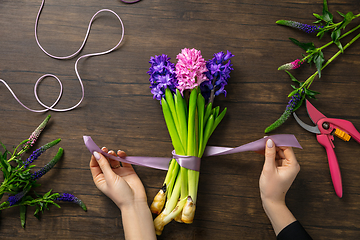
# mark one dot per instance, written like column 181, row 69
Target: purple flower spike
column 67, row 197
column 218, row 73
column 290, row 66
column 39, row 151
column 35, row 135
column 162, row 75
column 38, row 174
column 16, row 198
column 301, row 26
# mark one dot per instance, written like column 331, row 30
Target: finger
column 113, row 163
column 105, row 149
column 104, row 165
column 270, row 154
column 94, row 168
column 289, row 154
column 121, row 154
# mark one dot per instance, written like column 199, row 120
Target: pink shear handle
column 333, row 163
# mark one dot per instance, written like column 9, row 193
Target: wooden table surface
column 118, row 110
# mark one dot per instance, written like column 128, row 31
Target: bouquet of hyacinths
column 19, row 180
column 186, row 92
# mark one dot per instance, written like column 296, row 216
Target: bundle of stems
column 190, row 124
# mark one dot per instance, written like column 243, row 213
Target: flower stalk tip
column 292, row 65
column 68, row 197
column 38, row 174
column 301, row 26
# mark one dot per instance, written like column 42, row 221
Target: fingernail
column 270, row 143
column 96, row 155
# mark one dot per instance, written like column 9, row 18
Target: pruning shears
column 325, row 129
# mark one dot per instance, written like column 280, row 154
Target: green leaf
column 310, row 93
column 335, row 35
column 4, row 147
column 208, row 128
column 306, row 46
column 317, row 16
column 293, row 92
column 47, row 194
column 57, row 205
column 319, row 60
column 181, row 115
column 23, row 215
column 299, row 103
column 192, row 145
column 5, row 167
column 347, row 19
column 327, row 16
column 171, row 128
column 201, row 112
column 218, row 119
column 208, row 111
column 293, row 78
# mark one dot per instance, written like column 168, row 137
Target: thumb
column 103, row 164
column 270, row 154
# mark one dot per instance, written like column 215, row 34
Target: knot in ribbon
column 189, row 162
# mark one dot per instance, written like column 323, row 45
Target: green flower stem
column 335, row 25
column 309, row 81
column 192, row 144
column 329, row 43
column 172, row 201
column 173, row 175
column 184, row 182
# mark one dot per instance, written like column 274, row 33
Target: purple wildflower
column 40, row 151
column 34, row 136
column 290, row 66
column 17, row 197
column 67, row 197
column 301, row 26
column 162, row 75
column 218, row 74
column 293, row 102
column 38, row 174
column 295, row 99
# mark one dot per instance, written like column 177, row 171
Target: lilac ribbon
column 52, row 107
column 191, row 162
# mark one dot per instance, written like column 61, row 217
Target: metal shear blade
column 313, row 129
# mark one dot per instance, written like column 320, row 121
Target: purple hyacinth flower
column 218, row 73
column 162, row 75
column 67, row 197
column 301, row 26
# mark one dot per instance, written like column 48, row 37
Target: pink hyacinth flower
column 293, row 65
column 190, row 69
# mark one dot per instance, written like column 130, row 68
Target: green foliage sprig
column 314, row 55
column 19, row 179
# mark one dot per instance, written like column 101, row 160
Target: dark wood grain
column 118, row 111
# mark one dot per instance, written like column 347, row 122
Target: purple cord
column 47, row 108
column 131, row 1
